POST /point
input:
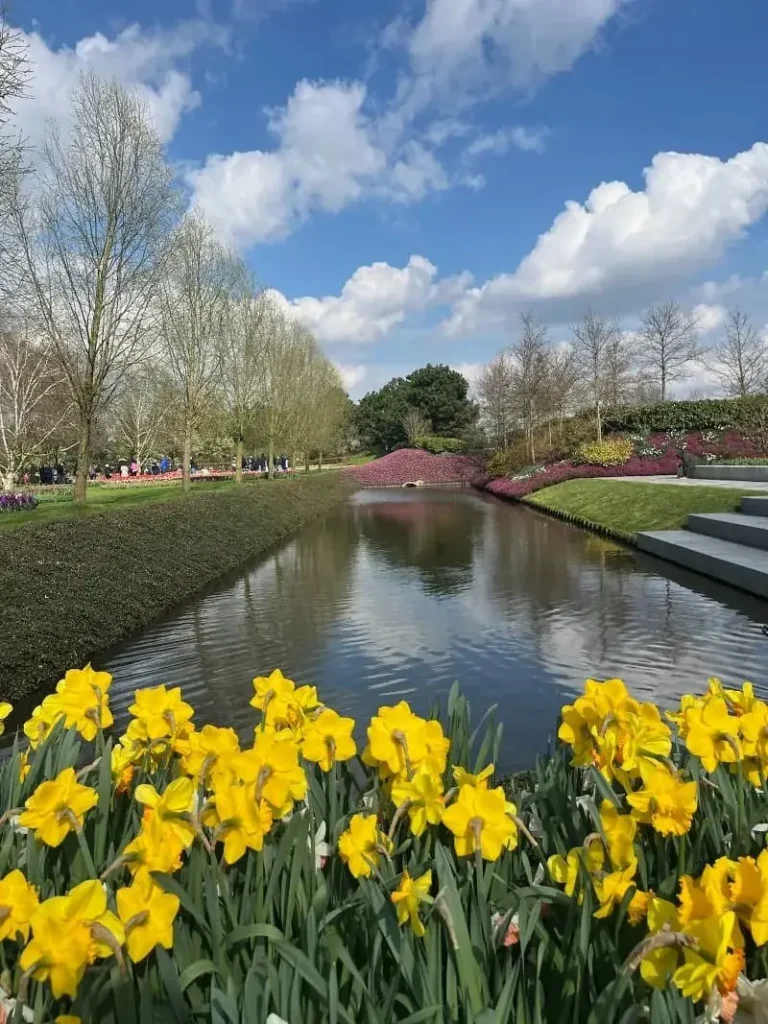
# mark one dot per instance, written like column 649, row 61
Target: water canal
column 396, row 594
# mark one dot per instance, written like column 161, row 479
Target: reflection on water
column 398, row 593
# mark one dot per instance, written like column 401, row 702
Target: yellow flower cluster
column 613, row 451
column 80, row 701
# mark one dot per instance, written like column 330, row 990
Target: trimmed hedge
column 74, row 587
column 705, row 414
column 439, row 445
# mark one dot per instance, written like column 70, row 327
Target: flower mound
column 408, row 465
column 178, row 873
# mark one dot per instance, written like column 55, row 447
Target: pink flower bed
column 407, row 465
column 559, row 472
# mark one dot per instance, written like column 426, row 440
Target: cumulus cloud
column 372, row 301
column 352, row 376
column 325, row 156
column 137, row 58
column 709, row 318
column 619, row 241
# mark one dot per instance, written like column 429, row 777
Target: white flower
column 322, row 849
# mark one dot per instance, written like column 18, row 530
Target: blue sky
column 408, row 175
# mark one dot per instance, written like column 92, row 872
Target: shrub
column 17, row 502
column 624, row 878
column 438, row 445
column 76, row 586
column 613, row 451
column 704, row 414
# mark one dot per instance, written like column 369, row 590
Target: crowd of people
column 125, row 469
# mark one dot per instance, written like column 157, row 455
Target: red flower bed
column 561, row 471
column 407, row 465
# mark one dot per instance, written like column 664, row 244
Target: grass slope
column 75, row 586
column 625, row 509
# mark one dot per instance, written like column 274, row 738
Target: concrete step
column 744, row 473
column 754, row 506
column 751, row 531
column 736, row 564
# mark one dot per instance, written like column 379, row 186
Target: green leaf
column 170, row 978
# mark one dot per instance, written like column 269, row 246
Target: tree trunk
column 306, row 461
column 663, row 383
column 239, row 461
column 271, row 459
column 83, row 459
column 599, row 423
column 186, row 459
column 320, row 460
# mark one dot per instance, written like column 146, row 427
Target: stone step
column 736, row 564
column 749, row 530
column 745, row 473
column 754, row 506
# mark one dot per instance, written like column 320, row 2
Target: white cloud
column 529, row 140
column 417, row 172
column 470, row 43
column 137, row 58
column 709, row 318
column 471, row 371
column 373, row 300
column 352, row 376
column 619, row 241
column 324, row 158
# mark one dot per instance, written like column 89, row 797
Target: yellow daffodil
column 175, row 807
column 38, row 726
column 161, row 711
column 714, row 960
column 362, row 846
column 638, row 906
column 566, row 871
column 611, row 889
column 688, row 704
column 619, row 831
column 268, row 687
column 147, row 913
column 707, row 896
column 576, row 732
column 438, row 745
column 749, row 894
column 24, row 765
column 397, row 738
column 209, row 754
column 5, row 710
column 480, row 781
column 18, row 903
column 742, row 701
column 272, row 764
column 665, row 802
column 68, row 1018
column 753, row 726
column 157, row 847
column 328, row 738
column 282, row 703
column 424, row 795
column 57, row 807
column 647, row 738
column 407, row 897
column 713, row 734
column 68, row 933
column 603, row 700
column 81, row 700
column 123, row 768
column 480, row 819
column 659, row 964
column 242, row 820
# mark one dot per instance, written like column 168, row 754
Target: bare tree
column 495, row 391
column 282, row 392
column 14, row 72
column 620, row 358
column 593, row 341
column 415, row 424
column 195, row 299
column 141, row 413
column 561, row 384
column 741, row 358
column 529, row 363
column 29, row 380
column 669, row 343
column 95, row 244
column 243, row 352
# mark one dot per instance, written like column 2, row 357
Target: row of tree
column 124, row 319
column 535, row 383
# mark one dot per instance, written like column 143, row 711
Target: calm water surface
column 396, row 594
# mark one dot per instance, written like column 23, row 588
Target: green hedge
column 440, row 445
column 74, row 587
column 705, row 414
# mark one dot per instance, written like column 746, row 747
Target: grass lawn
column 628, row 508
column 109, row 499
